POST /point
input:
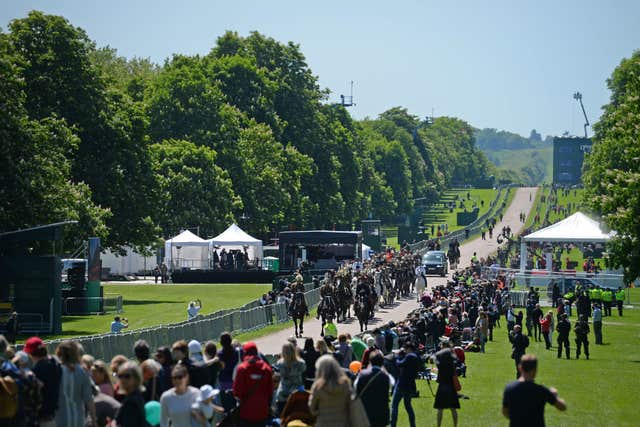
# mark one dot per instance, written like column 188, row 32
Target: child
column 203, row 408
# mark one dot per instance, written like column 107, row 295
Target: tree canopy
column 137, row 151
column 612, row 170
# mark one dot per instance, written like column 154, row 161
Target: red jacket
column 253, row 386
column 545, row 324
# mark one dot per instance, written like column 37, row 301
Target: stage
column 222, row 276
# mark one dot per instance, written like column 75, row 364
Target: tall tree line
column 136, row 151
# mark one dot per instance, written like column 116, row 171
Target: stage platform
column 221, row 276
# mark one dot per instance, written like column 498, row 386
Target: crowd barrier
column 249, row 317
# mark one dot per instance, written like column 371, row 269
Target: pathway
column 522, row 202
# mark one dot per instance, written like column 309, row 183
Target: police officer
column 620, row 300
column 563, row 328
column 597, row 295
column 607, row 299
column 597, row 323
column 581, row 330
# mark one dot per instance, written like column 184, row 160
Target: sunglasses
column 124, row 376
column 178, row 377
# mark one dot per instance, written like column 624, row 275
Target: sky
column 511, row 65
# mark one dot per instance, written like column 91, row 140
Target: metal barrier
column 249, row 317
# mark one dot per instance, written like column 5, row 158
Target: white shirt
column 177, row 407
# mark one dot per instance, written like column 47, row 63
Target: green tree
column 193, row 189
column 612, row 170
column 35, row 171
column 112, row 156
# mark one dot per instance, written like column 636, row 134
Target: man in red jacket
column 253, row 387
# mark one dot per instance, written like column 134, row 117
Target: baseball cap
column 250, row 348
column 32, row 344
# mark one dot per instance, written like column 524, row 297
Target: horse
column 345, row 299
column 297, row 310
column 363, row 309
column 326, row 311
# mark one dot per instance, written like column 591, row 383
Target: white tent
column 577, row 228
column 365, row 252
column 186, row 250
column 235, row 238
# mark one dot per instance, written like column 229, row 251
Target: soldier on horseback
column 297, row 310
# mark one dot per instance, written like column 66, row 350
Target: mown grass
column 598, row 392
column 150, row 305
column 439, row 214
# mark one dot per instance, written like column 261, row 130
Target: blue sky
column 510, row 65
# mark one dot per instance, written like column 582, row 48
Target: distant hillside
column 530, row 159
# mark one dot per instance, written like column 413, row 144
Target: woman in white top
column 176, row 402
column 75, row 388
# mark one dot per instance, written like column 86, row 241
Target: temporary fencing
column 249, row 317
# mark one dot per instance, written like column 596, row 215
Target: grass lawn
column 598, row 392
column 438, row 214
column 149, row 305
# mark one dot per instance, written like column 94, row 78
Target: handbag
column 357, row 414
column 456, row 383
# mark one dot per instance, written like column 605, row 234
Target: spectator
column 87, row 362
column 213, row 363
column 230, row 357
column 447, row 395
column 180, row 351
column 290, row 368
column 101, row 377
column 48, row 371
column 106, row 407
column 405, row 389
column 176, row 402
column 164, row 358
column 114, row 366
column 523, row 400
column 203, row 409
column 310, row 355
column 75, row 390
column 345, row 351
column 131, row 413
column 372, row 386
column 193, row 310
column 141, row 350
column 118, row 325
column 151, row 379
column 330, row 394
column 253, row 387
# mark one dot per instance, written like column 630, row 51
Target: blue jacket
column 410, row 366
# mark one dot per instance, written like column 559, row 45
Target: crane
column 578, row 97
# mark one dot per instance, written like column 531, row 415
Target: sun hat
column 207, row 392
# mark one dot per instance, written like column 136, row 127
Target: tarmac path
column 522, row 203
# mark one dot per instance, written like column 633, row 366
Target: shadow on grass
column 145, row 302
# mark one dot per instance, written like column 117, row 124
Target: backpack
column 8, row 397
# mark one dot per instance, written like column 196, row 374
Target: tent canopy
column 186, row 250
column 187, row 238
column 235, row 238
column 234, row 235
column 577, row 228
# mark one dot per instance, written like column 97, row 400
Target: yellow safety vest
column 620, row 295
column 607, row 296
